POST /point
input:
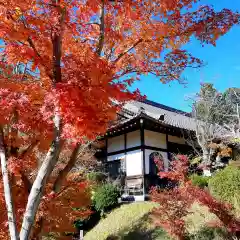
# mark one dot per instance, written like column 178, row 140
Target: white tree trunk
column 206, row 161
column 40, row 182
column 206, row 156
column 7, row 192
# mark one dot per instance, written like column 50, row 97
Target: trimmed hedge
column 225, row 185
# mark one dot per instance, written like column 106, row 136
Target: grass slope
column 131, row 221
column 126, row 222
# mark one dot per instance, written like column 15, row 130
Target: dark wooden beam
column 124, row 150
column 134, row 177
column 155, row 148
column 142, row 132
column 168, row 153
column 143, row 151
column 142, row 142
column 137, row 148
column 125, row 141
column 122, row 131
column 106, row 148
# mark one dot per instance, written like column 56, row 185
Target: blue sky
column 222, row 69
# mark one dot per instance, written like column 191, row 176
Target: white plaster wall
column 175, row 139
column 120, row 156
column 133, row 139
column 147, row 154
column 134, row 163
column 155, row 139
column 115, row 144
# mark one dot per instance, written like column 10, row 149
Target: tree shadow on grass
column 138, row 234
column 157, row 234
column 153, row 234
column 141, row 231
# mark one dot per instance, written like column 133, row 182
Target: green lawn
column 126, row 222
column 131, row 221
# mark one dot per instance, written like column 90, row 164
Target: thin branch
column 24, row 72
column 14, row 133
column 26, row 181
column 102, row 29
column 28, row 149
column 189, row 139
column 29, row 40
column 49, row 4
column 85, row 40
column 92, row 23
column 108, row 56
column 127, row 50
column 57, row 49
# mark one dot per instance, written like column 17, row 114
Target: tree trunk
column 63, row 173
column 40, row 182
column 206, row 157
column 206, row 161
column 53, row 153
column 7, row 192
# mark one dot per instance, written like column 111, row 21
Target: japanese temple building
column 143, row 131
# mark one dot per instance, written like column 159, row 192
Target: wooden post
column 143, row 153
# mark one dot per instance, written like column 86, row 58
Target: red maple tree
column 76, row 61
column 174, row 204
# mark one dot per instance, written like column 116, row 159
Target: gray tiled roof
column 172, row 117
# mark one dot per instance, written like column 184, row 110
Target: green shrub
column 200, row 181
column 225, row 185
column 105, row 197
column 97, row 177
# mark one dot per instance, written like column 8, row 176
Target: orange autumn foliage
column 79, row 58
column 97, row 57
column 55, row 213
column 61, row 208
